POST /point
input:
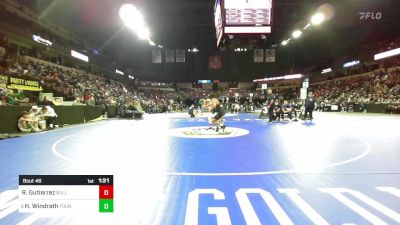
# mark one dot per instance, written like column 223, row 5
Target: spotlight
column 151, row 43
column 143, row 33
column 131, row 16
column 284, row 42
column 296, row 34
column 317, row 18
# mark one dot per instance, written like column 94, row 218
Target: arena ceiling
column 190, row 23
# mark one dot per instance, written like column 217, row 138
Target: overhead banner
column 215, row 62
column 264, row 86
column 303, row 93
column 269, row 55
column 169, row 56
column 19, row 83
column 156, row 56
column 258, row 55
column 180, row 55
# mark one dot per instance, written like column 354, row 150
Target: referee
column 309, row 105
column 270, row 105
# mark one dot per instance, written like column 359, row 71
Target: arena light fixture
column 131, row 16
column 143, row 33
column 292, row 76
column 352, row 63
column 285, row 77
column 387, row 54
column 119, row 72
column 133, row 19
column 296, row 34
column 79, row 56
column 41, row 40
column 152, row 43
column 317, row 18
column 284, row 43
column 326, row 70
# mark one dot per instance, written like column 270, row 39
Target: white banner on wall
column 258, row 55
column 264, row 86
column 169, row 56
column 269, row 55
column 156, row 56
column 180, row 55
column 303, row 93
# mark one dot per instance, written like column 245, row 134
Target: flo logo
column 350, row 202
column 370, row 15
column 208, row 132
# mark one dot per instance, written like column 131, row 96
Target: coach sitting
column 287, row 109
column 49, row 115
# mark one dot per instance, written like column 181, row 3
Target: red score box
column 106, row 192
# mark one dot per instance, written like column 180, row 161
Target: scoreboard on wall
column 242, row 17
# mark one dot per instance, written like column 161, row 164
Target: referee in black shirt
column 270, row 105
column 309, row 105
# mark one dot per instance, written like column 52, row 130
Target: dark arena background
column 199, row 112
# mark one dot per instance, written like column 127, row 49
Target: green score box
column 106, row 205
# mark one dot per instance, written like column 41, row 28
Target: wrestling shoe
column 223, row 128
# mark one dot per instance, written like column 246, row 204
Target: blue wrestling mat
column 171, row 170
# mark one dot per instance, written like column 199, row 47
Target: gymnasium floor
column 339, row 169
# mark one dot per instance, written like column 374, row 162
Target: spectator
column 77, row 101
column 91, row 101
column 3, row 97
column 27, row 124
column 50, row 116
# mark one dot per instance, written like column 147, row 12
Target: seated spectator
column 136, row 105
column 27, row 124
column 77, row 101
column 287, row 109
column 50, row 116
column 91, row 101
column 57, row 101
column 16, row 98
column 3, row 97
column 36, row 113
